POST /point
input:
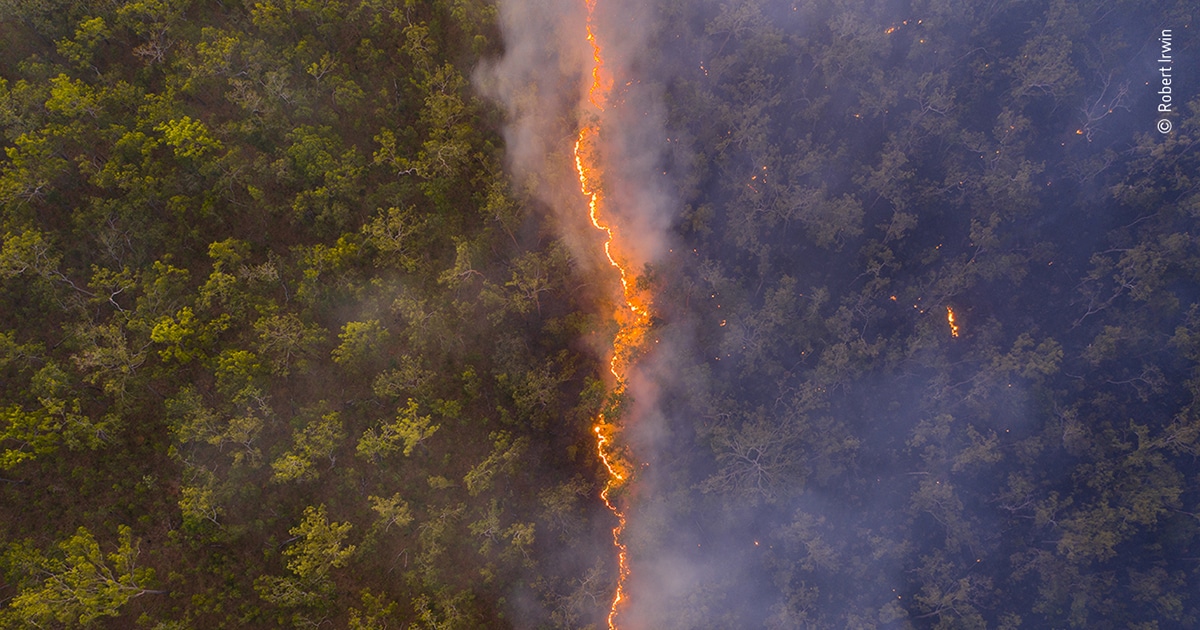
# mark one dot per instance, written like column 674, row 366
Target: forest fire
column 601, row 83
column 633, row 315
column 615, row 479
column 950, row 320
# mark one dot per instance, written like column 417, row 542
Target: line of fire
column 632, row 311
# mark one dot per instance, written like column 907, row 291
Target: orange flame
column 601, row 82
column 950, row 320
column 615, row 479
column 633, row 316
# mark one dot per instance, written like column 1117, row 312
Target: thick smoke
column 542, row 82
column 813, row 448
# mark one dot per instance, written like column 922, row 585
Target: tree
column 315, row 549
column 184, row 336
column 108, row 355
column 319, row 545
column 408, row 431
column 197, row 500
column 759, row 458
column 320, row 438
column 285, row 339
column 391, row 511
column 58, row 420
column 79, row 584
column 506, row 454
column 188, row 138
column 362, row 343
column 376, row 614
column 392, row 233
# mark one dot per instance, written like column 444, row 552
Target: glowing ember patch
column 950, row 320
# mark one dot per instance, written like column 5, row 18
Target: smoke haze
column 541, row 82
column 813, row 185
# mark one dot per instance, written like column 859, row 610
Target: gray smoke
column 541, row 82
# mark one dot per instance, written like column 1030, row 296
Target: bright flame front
column 632, row 315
